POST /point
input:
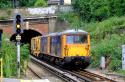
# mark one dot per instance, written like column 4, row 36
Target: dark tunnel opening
column 26, row 36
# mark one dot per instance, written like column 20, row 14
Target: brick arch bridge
column 37, row 27
column 34, row 30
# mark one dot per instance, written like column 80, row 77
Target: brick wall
column 42, row 28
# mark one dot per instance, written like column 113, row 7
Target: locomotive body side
column 35, row 46
column 55, row 46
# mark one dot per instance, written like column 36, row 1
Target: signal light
column 18, row 24
column 18, row 31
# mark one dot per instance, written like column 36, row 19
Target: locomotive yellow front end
column 77, row 45
column 77, row 49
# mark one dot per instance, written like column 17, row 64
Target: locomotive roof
column 74, row 31
column 69, row 32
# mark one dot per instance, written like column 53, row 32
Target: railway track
column 34, row 72
column 73, row 76
column 90, row 77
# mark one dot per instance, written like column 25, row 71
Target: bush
column 41, row 3
column 69, row 17
column 110, row 48
column 107, row 37
column 98, row 10
column 8, row 53
column 3, row 17
column 25, row 57
column 5, row 4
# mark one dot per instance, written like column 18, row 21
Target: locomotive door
column 123, row 57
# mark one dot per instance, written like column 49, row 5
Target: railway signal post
column 18, row 38
column 17, row 25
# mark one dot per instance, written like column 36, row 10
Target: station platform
column 21, row 80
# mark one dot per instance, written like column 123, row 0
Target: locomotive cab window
column 76, row 39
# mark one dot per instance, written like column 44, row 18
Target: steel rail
column 34, row 72
column 90, row 77
column 63, row 75
column 73, row 76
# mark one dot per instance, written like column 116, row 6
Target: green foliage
column 3, row 17
column 22, row 3
column 98, row 10
column 24, row 57
column 108, row 47
column 102, row 29
column 5, row 3
column 40, row 3
column 8, row 53
column 107, row 37
column 72, row 18
column 121, row 72
column 26, row 3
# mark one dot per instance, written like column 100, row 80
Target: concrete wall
column 56, row 25
column 34, row 12
column 50, row 10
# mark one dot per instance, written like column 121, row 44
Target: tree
column 98, row 10
column 40, row 3
column 5, row 3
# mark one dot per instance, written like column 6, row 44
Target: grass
column 107, row 37
column 111, row 25
column 8, row 53
column 122, row 72
column 3, row 17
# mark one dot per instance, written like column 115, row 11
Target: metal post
column 14, row 3
column 18, row 38
column 18, row 59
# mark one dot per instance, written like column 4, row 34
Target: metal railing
column 1, row 69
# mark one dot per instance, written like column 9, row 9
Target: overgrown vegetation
column 72, row 18
column 8, row 53
column 3, row 17
column 98, row 10
column 40, row 3
column 122, row 72
column 105, row 21
column 107, row 37
column 22, row 3
column 6, row 3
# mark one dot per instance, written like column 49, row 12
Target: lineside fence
column 1, row 69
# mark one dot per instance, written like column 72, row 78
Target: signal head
column 18, row 23
column 18, row 19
